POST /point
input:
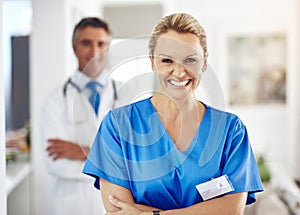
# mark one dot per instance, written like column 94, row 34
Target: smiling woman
column 158, row 155
column 178, row 70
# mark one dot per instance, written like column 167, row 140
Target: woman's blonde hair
column 181, row 23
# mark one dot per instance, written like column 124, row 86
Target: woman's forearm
column 146, row 208
column 233, row 204
column 119, row 199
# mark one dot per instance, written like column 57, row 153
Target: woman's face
column 178, row 61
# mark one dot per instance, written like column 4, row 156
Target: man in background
column 71, row 115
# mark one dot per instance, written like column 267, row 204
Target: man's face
column 91, row 48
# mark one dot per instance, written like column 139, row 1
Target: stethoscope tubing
column 70, row 82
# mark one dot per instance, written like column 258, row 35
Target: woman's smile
column 179, row 84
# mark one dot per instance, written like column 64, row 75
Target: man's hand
column 65, row 149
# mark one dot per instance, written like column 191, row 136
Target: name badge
column 215, row 187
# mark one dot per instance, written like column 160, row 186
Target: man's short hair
column 91, row 22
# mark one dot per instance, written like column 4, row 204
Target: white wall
column 48, row 69
column 269, row 126
column 294, row 88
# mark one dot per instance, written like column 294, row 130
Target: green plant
column 263, row 169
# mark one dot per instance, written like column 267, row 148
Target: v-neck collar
column 197, row 133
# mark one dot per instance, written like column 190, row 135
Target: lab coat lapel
column 107, row 100
column 82, row 115
column 85, row 121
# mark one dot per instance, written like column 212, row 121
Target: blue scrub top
column 133, row 149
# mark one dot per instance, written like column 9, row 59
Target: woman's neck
column 180, row 118
column 171, row 108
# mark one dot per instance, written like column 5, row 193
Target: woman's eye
column 190, row 60
column 166, row 60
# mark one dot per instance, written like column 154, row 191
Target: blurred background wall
column 273, row 128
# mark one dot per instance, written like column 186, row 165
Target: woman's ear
column 152, row 63
column 204, row 67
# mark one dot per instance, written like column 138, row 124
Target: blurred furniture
column 280, row 197
column 18, row 188
column 268, row 203
column 18, row 171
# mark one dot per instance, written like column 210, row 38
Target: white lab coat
column 72, row 118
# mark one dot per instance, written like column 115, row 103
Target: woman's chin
column 179, row 94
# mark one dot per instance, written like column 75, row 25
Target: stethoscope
column 74, row 85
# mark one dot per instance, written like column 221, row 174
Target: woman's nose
column 178, row 70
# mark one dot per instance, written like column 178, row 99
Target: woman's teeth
column 179, row 83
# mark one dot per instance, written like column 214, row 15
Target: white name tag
column 215, row 187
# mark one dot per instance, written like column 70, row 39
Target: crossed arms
column 119, row 200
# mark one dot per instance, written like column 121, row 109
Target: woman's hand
column 125, row 208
